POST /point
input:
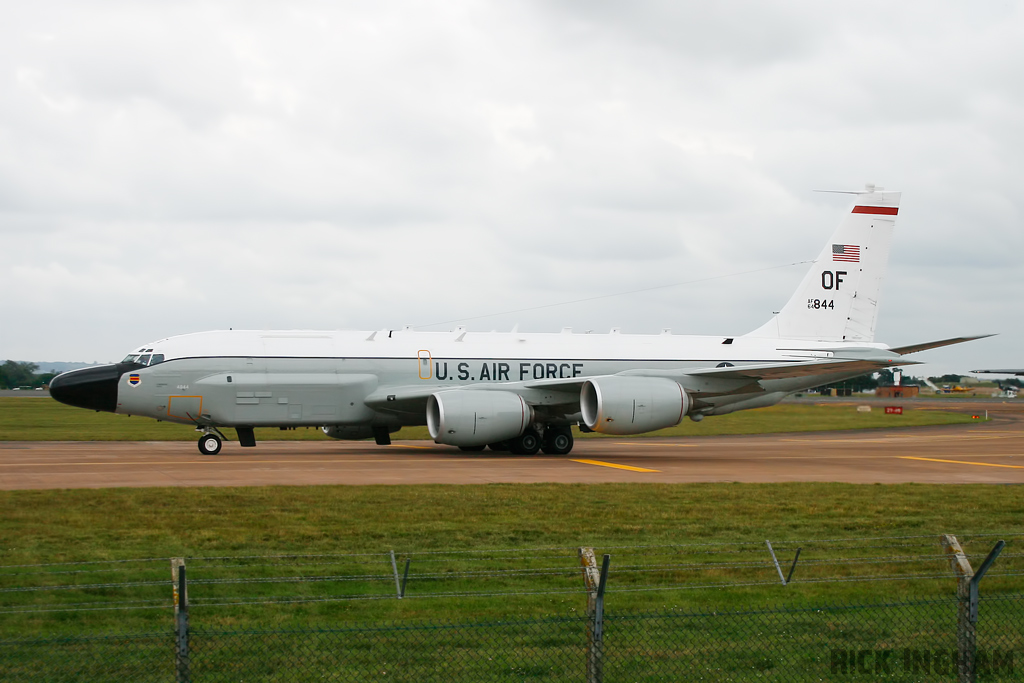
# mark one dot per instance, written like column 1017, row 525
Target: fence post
column 181, row 655
column 980, row 574
column 966, row 635
column 394, row 570
column 175, row 563
column 595, row 581
column 775, row 560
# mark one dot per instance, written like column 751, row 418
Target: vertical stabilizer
column 838, row 298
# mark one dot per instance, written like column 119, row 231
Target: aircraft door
column 426, row 367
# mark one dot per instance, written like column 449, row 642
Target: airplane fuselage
column 306, row 378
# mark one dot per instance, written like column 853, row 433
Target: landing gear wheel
column 472, row 449
column 500, row 447
column 209, row 444
column 557, row 440
column 527, row 443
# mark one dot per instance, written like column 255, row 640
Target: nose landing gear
column 211, row 441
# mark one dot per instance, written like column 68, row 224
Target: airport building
column 898, row 391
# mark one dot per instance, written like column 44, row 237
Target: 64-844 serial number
column 819, row 304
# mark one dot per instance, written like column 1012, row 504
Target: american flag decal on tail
column 846, row 252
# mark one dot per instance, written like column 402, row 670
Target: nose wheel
column 209, row 444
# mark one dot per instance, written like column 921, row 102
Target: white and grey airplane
column 513, row 391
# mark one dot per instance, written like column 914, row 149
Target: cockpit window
column 144, row 359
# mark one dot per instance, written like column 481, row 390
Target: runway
column 991, row 452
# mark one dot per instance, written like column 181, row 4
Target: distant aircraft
column 513, row 391
column 1008, row 390
column 1000, row 372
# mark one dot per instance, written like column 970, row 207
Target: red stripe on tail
column 881, row 210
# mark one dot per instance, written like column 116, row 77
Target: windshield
column 144, row 359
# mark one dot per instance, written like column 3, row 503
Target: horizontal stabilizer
column 914, row 348
column 795, row 369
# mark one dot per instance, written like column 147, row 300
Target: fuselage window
column 157, row 358
column 144, row 359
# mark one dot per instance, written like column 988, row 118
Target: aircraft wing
column 1018, row 371
column 413, row 398
column 914, row 348
column 408, row 399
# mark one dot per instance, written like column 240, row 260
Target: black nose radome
column 93, row 388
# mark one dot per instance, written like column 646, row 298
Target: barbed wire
column 332, row 598
column 83, row 586
column 764, row 564
column 84, row 609
column 165, row 602
column 213, row 558
column 73, row 571
column 65, row 564
column 778, row 543
column 418, row 558
column 738, row 564
column 288, row 579
column 214, row 602
column 776, row 582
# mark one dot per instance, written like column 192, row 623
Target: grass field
column 447, row 530
column 43, row 419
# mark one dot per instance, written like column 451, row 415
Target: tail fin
column 838, row 298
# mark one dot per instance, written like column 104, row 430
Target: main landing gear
column 557, row 440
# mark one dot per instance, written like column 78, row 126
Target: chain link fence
column 900, row 641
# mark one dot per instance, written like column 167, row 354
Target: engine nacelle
column 466, row 417
column 632, row 405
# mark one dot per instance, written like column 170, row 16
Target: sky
column 175, row 167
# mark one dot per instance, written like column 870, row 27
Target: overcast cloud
column 173, row 167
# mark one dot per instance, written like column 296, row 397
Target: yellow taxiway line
column 962, row 462
column 616, row 466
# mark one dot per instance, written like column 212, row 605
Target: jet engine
column 466, row 417
column 632, row 405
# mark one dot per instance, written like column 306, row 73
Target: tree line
column 15, row 374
